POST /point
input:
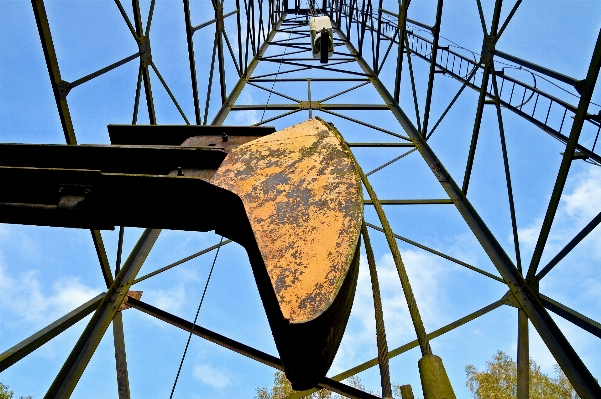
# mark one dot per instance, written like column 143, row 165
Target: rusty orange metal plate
column 304, row 202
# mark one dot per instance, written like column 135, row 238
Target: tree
column 499, row 381
column 6, row 394
column 282, row 388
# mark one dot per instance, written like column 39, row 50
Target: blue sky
column 46, row 272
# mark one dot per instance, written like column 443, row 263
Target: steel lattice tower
column 398, row 134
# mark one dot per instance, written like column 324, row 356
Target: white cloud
column 214, row 377
column 583, row 201
column 31, row 301
column 578, row 206
column 425, row 271
column 169, row 300
column 246, row 118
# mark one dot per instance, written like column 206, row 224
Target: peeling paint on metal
column 305, row 205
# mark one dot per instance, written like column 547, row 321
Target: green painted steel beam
column 573, row 316
column 412, row 202
column 60, row 92
column 76, row 363
column 25, row 347
column 120, row 357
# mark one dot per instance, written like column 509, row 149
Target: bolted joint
column 73, row 197
column 145, row 53
column 63, row 88
column 402, row 15
column 219, row 19
column 130, row 294
column 583, row 87
column 488, row 49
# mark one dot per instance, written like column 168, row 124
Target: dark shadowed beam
column 571, row 315
column 58, row 85
column 238, row 347
column 25, row 347
column 571, row 245
column 486, row 60
column 429, row 90
column 402, row 24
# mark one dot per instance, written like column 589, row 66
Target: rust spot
column 305, row 205
column 130, row 294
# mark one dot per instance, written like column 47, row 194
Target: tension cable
column 181, row 363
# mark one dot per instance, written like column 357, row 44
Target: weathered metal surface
column 130, row 294
column 223, row 142
column 305, row 206
column 292, row 199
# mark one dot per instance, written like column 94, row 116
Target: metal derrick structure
column 367, row 37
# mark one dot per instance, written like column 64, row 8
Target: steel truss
column 367, row 36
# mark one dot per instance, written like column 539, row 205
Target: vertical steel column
column 120, row 357
column 378, row 38
column 581, row 114
column 58, row 85
column 189, row 33
column 144, row 43
column 118, row 336
column 402, row 25
column 227, row 105
column 486, row 60
column 523, row 355
column 74, row 366
column 220, row 58
column 436, row 34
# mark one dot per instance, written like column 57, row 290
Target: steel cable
column 181, row 363
column 276, row 76
column 418, row 324
column 380, row 329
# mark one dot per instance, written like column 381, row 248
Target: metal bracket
column 219, row 19
column 64, row 88
column 145, row 53
column 72, row 196
column 509, row 300
column 582, row 86
column 130, row 294
column 488, row 49
column 310, row 105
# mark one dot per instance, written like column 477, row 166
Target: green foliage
column 282, row 388
column 6, row 394
column 499, row 381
